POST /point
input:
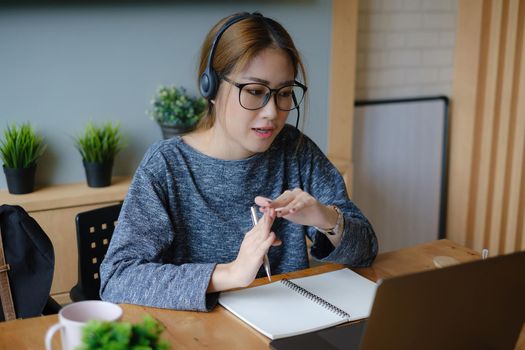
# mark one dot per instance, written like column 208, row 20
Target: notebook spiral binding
column 316, row 299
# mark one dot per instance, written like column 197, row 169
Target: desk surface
column 221, row 330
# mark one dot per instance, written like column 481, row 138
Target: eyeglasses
column 253, row 96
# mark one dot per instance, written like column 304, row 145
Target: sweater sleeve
column 137, row 268
column 358, row 247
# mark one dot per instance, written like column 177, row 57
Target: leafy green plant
column 21, row 146
column 99, row 143
column 103, row 335
column 174, row 107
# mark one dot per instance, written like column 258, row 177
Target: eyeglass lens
column 255, row 96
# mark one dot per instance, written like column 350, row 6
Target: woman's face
column 240, row 133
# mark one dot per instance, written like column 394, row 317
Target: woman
column 185, row 230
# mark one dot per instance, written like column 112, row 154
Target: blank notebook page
column 343, row 288
column 278, row 311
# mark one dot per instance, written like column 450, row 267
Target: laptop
column 475, row 305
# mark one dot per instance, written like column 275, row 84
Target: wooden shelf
column 68, row 195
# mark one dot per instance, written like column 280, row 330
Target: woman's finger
column 268, row 242
column 277, row 242
column 262, row 201
column 294, row 205
column 281, row 201
column 298, row 203
column 263, row 227
column 268, row 218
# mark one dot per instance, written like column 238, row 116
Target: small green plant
column 101, row 335
column 21, row 146
column 174, row 107
column 99, row 144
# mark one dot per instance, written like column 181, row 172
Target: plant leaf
column 99, row 144
column 21, row 147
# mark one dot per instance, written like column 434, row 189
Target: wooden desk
column 221, row 330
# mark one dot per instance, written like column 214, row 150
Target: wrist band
column 339, row 224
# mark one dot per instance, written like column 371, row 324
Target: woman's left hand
column 299, row 207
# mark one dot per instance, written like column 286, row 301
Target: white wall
column 405, row 48
column 62, row 65
column 398, row 150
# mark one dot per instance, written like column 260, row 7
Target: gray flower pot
column 20, row 180
column 98, row 174
column 169, row 131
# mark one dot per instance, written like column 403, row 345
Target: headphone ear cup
column 208, row 83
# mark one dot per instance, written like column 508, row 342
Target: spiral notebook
column 301, row 305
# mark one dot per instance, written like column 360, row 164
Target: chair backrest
column 29, row 262
column 94, row 231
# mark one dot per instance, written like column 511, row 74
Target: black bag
column 31, row 259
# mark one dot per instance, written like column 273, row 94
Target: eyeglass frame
column 268, row 97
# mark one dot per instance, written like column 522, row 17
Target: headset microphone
column 298, row 111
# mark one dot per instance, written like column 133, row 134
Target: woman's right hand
column 253, row 248
column 242, row 271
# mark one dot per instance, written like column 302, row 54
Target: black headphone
column 209, row 81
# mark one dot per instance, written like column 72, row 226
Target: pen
column 266, row 261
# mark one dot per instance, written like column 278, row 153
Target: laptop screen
column 476, row 305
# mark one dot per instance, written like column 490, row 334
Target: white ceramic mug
column 73, row 317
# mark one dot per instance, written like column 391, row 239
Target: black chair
column 94, row 231
column 27, row 263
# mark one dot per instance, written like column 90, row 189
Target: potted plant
column 98, row 146
column 176, row 111
column 20, row 149
column 103, row 335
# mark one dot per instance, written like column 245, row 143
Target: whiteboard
column 399, row 155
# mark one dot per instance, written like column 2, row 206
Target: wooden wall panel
column 486, row 203
column 342, row 87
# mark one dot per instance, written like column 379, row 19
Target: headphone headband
column 209, row 81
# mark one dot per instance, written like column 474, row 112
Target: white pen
column 266, row 261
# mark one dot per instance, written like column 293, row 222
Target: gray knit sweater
column 185, row 212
